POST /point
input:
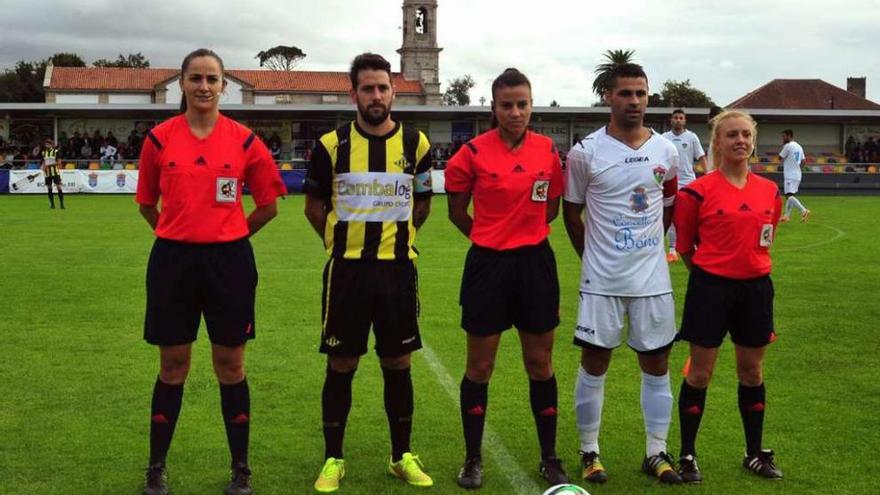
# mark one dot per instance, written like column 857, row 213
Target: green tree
column 132, row 60
column 67, row 60
column 281, row 57
column 682, row 94
column 613, row 58
column 458, row 91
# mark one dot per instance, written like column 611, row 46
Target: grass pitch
column 77, row 377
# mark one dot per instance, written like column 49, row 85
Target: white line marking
column 839, row 234
column 521, row 483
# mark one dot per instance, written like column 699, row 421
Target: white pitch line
column 521, row 483
column 839, row 234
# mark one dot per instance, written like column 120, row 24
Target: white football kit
column 689, row 151
column 625, row 191
column 792, row 155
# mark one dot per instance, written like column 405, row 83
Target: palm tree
column 613, row 58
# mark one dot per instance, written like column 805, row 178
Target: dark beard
column 373, row 119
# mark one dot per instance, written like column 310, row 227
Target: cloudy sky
column 725, row 48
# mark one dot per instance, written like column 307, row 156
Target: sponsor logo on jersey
column 374, row 196
column 586, row 330
column 638, row 202
column 539, row 190
column 227, row 189
column 332, row 342
column 201, row 161
column 403, row 163
column 636, row 159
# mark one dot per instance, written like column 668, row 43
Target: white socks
column 657, row 411
column 793, row 201
column 589, row 393
column 670, row 236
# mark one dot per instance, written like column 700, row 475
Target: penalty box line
column 521, row 483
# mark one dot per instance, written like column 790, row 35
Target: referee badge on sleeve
column 227, row 189
column 766, row 235
column 539, row 190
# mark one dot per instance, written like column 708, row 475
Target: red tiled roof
column 102, row 78
column 107, row 78
column 791, row 94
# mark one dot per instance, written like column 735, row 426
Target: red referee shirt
column 728, row 230
column 200, row 180
column 510, row 188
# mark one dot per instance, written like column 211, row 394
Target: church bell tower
column 419, row 53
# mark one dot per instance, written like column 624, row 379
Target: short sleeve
column 424, row 164
column 262, row 176
column 460, row 170
column 577, row 174
column 670, row 180
column 148, row 171
column 698, row 148
column 685, row 217
column 319, row 178
column 786, row 150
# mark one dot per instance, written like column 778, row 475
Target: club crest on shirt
column 659, row 173
column 639, row 199
column 684, row 145
column 227, row 189
column 539, row 190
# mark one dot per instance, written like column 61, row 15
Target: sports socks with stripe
column 543, row 399
column 656, row 399
column 751, row 409
column 164, row 409
column 235, row 403
column 589, row 395
column 474, row 401
column 691, row 404
column 335, row 406
column 399, row 408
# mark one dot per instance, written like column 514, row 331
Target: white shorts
column 601, row 319
column 791, row 186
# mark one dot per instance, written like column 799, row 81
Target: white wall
column 129, row 98
column 264, row 99
column 76, row 98
column 815, row 138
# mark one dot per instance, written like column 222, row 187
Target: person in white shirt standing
column 793, row 158
column 625, row 176
column 690, row 152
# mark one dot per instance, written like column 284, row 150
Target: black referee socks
column 235, row 402
column 474, row 401
column 163, row 418
column 542, row 396
column 691, row 403
column 399, row 408
column 335, row 405
column 751, row 408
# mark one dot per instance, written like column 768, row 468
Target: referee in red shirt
column 515, row 178
column 202, row 262
column 726, row 222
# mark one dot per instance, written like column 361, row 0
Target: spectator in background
column 108, row 153
column 274, row 140
column 85, row 151
column 849, row 146
column 111, row 140
column 870, row 151
column 275, row 149
column 854, row 152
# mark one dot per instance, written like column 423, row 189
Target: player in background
column 370, row 278
column 625, row 176
column 792, row 155
column 690, row 152
column 726, row 224
column 52, row 172
column 514, row 177
column 202, row 262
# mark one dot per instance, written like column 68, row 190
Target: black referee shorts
column 185, row 281
column 516, row 287
column 715, row 305
column 359, row 294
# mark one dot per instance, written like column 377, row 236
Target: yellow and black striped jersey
column 369, row 184
column 50, row 161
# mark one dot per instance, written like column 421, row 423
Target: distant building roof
column 115, row 79
column 802, row 94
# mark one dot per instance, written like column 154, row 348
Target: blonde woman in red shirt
column 726, row 223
